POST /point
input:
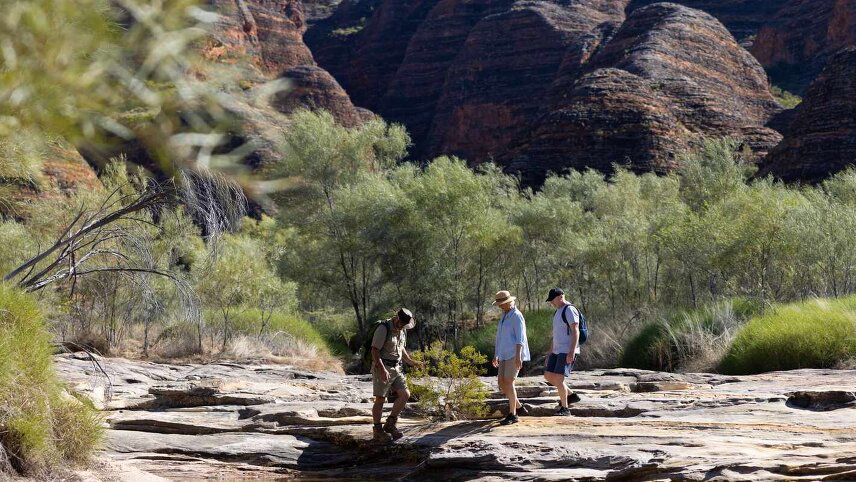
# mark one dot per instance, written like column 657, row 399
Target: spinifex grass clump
column 41, row 426
column 813, row 334
column 688, row 340
column 447, row 385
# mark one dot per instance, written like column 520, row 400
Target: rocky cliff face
column 821, row 138
column 269, row 35
column 668, row 76
column 63, row 172
column 796, row 43
column 743, row 18
column 516, row 80
column 494, row 85
column 791, row 38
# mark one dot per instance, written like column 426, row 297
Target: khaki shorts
column 396, row 382
column 507, row 369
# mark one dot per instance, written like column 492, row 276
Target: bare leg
column 512, row 398
column 377, row 409
column 400, row 402
column 558, row 381
column 563, row 391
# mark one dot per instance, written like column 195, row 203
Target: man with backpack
column 569, row 331
column 512, row 349
column 387, row 352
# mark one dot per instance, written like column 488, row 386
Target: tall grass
column 42, row 428
column 688, row 340
column 819, row 333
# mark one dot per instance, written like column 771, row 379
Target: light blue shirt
column 510, row 332
column 561, row 331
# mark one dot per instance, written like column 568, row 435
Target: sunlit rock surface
column 265, row 421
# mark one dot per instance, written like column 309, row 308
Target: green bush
column 787, row 99
column 41, row 427
column 688, row 340
column 249, row 322
column 447, row 385
column 819, row 333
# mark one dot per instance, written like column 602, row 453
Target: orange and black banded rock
column 668, row 76
column 821, row 138
column 269, row 35
column 496, row 83
column 796, row 43
column 743, row 18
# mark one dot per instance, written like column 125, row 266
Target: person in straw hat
column 512, row 349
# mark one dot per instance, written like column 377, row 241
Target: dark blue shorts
column 556, row 364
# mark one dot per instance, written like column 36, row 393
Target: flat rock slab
column 231, row 421
column 286, row 451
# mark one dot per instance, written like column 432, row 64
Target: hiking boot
column 563, row 412
column 522, row 411
column 379, row 435
column 390, row 428
column 572, row 398
column 509, row 420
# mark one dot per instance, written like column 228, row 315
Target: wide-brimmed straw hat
column 503, row 297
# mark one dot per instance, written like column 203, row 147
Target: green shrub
column 249, row 322
column 447, row 385
column 787, row 99
column 649, row 349
column 688, row 340
column 814, row 334
column 41, row 427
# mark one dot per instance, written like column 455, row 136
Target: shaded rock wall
column 743, row 18
column 269, row 35
column 668, row 76
column 821, row 138
column 797, row 42
column 514, row 80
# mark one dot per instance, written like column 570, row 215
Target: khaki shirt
column 390, row 348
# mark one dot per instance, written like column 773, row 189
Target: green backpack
column 367, row 343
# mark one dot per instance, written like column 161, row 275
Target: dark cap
column 404, row 315
column 554, row 292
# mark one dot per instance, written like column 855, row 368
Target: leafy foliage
column 447, row 385
column 787, row 99
column 812, row 334
column 40, row 425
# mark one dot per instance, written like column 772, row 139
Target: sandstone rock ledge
column 229, row 421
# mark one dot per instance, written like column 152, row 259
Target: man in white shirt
column 512, row 349
column 566, row 346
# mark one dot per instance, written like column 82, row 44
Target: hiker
column 512, row 349
column 388, row 350
column 566, row 347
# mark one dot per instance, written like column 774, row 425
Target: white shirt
column 561, row 334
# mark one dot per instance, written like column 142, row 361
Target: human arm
column 519, row 339
column 408, row 360
column 495, row 361
column 378, row 340
column 575, row 338
column 379, row 366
